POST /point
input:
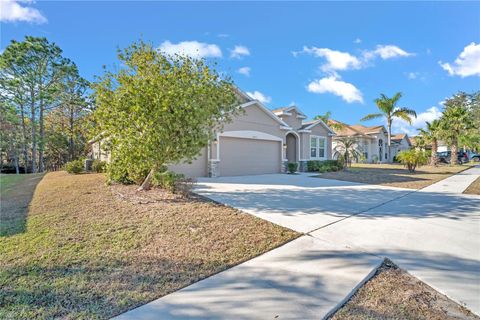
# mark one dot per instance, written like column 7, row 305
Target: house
column 372, row 141
column 257, row 141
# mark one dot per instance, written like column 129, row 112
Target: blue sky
column 336, row 56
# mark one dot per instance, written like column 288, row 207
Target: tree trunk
column 24, row 139
column 17, row 169
column 453, row 154
column 147, row 183
column 434, row 157
column 34, row 133
column 389, row 137
column 71, row 146
column 41, row 144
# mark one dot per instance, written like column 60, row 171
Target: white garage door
column 239, row 156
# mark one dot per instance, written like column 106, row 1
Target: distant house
column 258, row 141
column 372, row 141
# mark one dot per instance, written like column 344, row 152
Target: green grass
column 86, row 253
column 7, row 181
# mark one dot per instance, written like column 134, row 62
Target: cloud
column 388, row 52
column 333, row 84
column 357, row 41
column 339, row 60
column 193, row 49
column 239, row 51
column 257, row 95
column 402, row 126
column 467, row 63
column 12, row 11
column 245, row 71
column 412, row 75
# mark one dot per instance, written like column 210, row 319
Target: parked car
column 475, row 157
column 444, row 157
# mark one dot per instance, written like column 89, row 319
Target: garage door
column 240, row 156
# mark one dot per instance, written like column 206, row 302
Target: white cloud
column 357, row 41
column 334, row 85
column 402, row 126
column 336, row 60
column 412, row 75
column 193, row 49
column 257, row 95
column 389, row 51
column 239, row 51
column 12, row 11
column 245, row 71
column 467, row 63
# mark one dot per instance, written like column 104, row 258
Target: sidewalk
column 456, row 183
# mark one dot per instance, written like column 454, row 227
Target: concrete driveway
column 349, row 228
column 433, row 235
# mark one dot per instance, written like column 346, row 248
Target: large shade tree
column 159, row 109
column 389, row 110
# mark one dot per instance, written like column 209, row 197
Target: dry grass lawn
column 394, row 294
column 474, row 188
column 87, row 253
column 394, row 175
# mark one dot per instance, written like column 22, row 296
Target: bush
column 75, row 166
column 292, row 167
column 324, row 166
column 173, row 182
column 99, row 166
column 412, row 158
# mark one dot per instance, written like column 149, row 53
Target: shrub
column 324, row 166
column 173, row 182
column 312, row 165
column 75, row 166
column 292, row 167
column 99, row 166
column 412, row 158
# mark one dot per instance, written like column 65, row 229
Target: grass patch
column 395, row 175
column 394, row 294
column 88, row 253
column 474, row 188
column 7, row 181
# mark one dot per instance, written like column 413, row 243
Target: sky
column 320, row 56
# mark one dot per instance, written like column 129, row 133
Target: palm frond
column 372, row 116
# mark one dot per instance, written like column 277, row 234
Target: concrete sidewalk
column 303, row 279
column 456, row 183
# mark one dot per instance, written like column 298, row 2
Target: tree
column 430, row 135
column 456, row 122
column 389, row 110
column 30, row 72
column 159, row 109
column 347, row 149
column 327, row 119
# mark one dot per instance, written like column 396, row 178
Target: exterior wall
column 292, row 120
column 99, row 151
column 400, row 147
column 197, row 168
column 318, row 130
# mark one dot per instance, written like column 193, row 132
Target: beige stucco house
column 372, row 141
column 257, row 141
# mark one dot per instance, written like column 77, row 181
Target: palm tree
column 455, row 122
column 347, row 148
column 430, row 135
column 327, row 119
column 389, row 110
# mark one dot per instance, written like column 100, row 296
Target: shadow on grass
column 14, row 204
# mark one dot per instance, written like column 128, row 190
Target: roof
column 397, row 138
column 310, row 124
column 266, row 110
column 285, row 111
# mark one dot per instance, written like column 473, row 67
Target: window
column 317, row 147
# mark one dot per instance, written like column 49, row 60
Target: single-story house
column 258, row 141
column 371, row 141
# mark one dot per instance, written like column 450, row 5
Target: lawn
column 474, row 188
column 91, row 251
column 394, row 175
column 395, row 294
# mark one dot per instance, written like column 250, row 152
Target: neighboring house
column 258, row 141
column 371, row 141
column 400, row 142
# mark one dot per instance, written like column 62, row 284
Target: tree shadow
column 14, row 205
